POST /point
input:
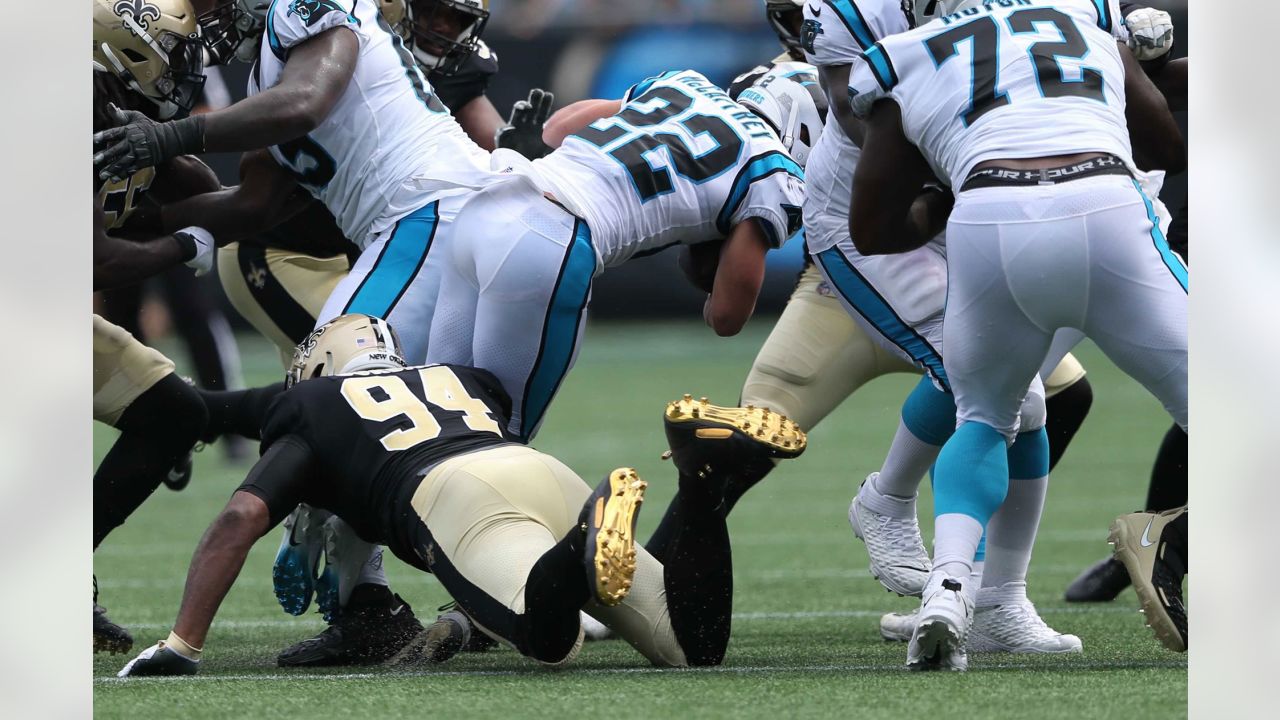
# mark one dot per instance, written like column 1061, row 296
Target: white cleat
column 898, row 558
column 898, row 627
column 1006, row 621
column 938, row 642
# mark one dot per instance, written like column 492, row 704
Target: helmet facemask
column 785, row 17
column 446, row 32
column 233, row 30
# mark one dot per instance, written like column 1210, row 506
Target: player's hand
column 199, row 246
column 139, row 142
column 159, row 659
column 523, row 131
column 1150, row 33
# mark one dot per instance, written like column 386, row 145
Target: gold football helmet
column 399, row 16
column 447, row 32
column 346, row 344
column 153, row 46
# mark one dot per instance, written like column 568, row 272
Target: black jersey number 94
column 634, row 124
column 380, row 398
column 985, row 35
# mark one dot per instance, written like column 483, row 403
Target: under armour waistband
column 1003, row 177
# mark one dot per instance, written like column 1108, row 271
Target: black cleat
column 179, row 476
column 374, row 626
column 108, row 636
column 610, row 519
column 1102, row 581
column 443, row 639
column 1153, row 548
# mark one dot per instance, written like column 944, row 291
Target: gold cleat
column 611, row 534
column 780, row 436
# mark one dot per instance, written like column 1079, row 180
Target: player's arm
column 1171, row 81
column 480, row 121
column 738, row 277
column 837, row 77
column 269, row 493
column 886, row 186
column 1157, row 142
column 572, row 118
column 183, row 177
column 314, row 78
column 118, row 262
column 266, row 196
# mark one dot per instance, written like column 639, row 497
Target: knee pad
column 1032, row 413
column 929, row 413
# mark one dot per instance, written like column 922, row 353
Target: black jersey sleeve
column 469, row 82
column 280, row 476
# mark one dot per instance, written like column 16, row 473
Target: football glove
column 523, row 131
column 199, row 247
column 139, row 142
column 1150, row 33
column 159, row 659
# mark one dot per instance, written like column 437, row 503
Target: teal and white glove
column 167, row 657
column 1150, row 33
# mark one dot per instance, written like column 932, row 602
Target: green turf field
column 805, row 640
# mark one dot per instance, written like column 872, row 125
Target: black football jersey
column 469, row 82
column 369, row 437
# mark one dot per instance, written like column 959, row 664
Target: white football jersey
column 682, row 163
column 836, row 32
column 389, row 146
column 1007, row 79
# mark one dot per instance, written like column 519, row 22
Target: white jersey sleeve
column 1110, row 19
column 835, row 32
column 770, row 189
column 292, row 22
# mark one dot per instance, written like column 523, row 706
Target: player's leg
column 159, row 417
column 511, row 534
column 814, row 358
column 397, row 276
column 533, row 271
column 899, row 300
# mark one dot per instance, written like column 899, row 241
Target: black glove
column 159, row 659
column 523, row 131
column 139, row 142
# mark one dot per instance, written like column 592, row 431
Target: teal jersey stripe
column 560, row 329
column 871, row 305
column 397, row 265
column 759, row 167
column 277, row 48
column 878, row 59
column 852, row 19
column 1104, row 14
column 1170, row 258
column 643, row 86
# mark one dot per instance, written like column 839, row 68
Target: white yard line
column 532, row 670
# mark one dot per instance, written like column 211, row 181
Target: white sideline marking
column 533, row 669
column 746, row 616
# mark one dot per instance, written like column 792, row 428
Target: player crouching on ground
column 416, row 458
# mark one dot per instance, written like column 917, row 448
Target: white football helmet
column 789, row 99
column 346, row 344
column 233, row 30
column 938, row 8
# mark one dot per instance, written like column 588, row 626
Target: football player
column 418, row 458
column 1079, row 240
column 152, row 63
column 281, row 280
column 513, row 297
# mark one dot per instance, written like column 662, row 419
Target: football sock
column 698, row 577
column 238, row 412
column 1011, row 532
column 971, row 479
column 928, row 419
column 1065, row 413
column 554, row 593
column 156, row 430
column 739, row 484
column 660, row 541
column 1168, row 488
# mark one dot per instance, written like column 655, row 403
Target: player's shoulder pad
column 643, row 86
column 291, row 22
column 871, row 78
column 748, row 78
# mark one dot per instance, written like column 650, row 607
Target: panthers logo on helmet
column 809, row 31
column 312, row 10
column 140, row 11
